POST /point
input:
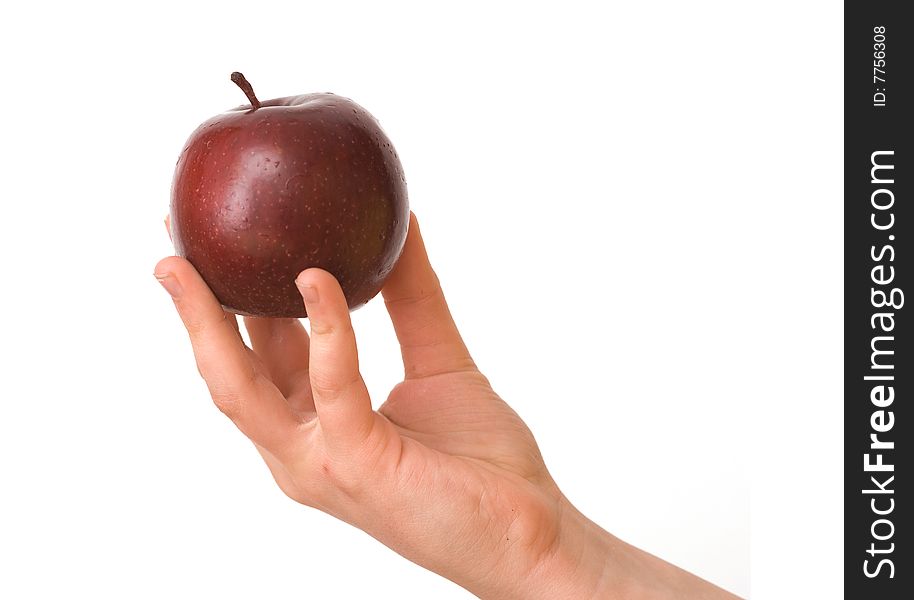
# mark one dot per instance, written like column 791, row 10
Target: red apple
column 266, row 190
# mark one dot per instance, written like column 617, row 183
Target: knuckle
column 231, row 398
column 195, row 327
column 330, row 387
column 329, row 328
column 199, row 325
column 428, row 295
column 228, row 402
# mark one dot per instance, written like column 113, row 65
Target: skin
column 444, row 472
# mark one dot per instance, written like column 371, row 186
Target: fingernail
column 171, row 285
column 308, row 292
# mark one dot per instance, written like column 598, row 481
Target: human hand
column 444, row 472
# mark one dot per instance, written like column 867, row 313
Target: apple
column 266, row 190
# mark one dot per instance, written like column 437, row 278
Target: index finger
column 237, row 387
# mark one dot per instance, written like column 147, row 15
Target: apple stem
column 241, row 82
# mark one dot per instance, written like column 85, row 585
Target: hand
column 444, row 472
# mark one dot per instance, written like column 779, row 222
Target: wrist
column 582, row 563
column 578, row 564
column 589, row 563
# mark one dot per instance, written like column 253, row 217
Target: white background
column 635, row 211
